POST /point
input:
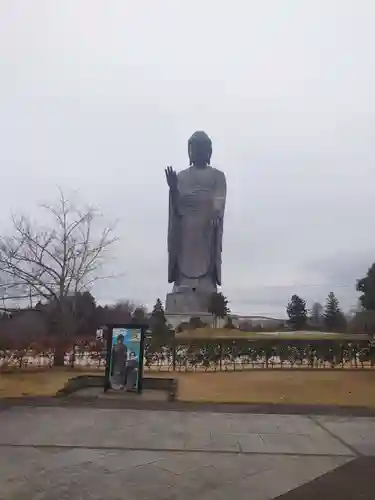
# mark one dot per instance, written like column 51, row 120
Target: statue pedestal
column 187, row 302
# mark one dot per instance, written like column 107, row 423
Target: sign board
column 124, row 369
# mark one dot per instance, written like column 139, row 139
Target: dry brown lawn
column 36, row 382
column 353, row 388
column 277, row 386
column 225, row 333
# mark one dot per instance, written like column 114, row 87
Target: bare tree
column 124, row 311
column 56, row 260
column 127, row 306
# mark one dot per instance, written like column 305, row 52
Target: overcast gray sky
column 100, row 95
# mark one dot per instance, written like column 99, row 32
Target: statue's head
column 200, row 149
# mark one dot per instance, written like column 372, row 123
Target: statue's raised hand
column 171, row 176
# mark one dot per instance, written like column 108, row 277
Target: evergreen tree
column 158, row 322
column 218, row 306
column 139, row 316
column 297, row 312
column 366, row 286
column 333, row 317
column 317, row 317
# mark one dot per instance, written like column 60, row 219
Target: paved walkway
column 58, row 453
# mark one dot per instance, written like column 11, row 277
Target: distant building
column 258, row 321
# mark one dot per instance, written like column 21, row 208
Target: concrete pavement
column 48, row 453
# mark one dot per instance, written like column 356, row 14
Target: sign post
column 124, row 366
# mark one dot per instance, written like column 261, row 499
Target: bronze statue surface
column 197, row 198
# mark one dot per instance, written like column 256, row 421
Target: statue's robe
column 195, row 229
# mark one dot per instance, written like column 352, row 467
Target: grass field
column 36, row 382
column 288, row 386
column 256, row 386
column 225, row 333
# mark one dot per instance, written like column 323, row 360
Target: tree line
column 330, row 316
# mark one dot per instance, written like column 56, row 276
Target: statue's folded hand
column 216, row 221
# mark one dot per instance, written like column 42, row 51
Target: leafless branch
column 53, row 261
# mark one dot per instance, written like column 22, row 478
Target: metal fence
column 213, row 356
column 253, row 355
